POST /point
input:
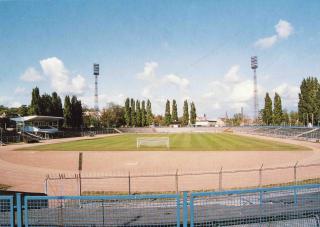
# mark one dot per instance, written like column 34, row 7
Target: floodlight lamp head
column 96, row 69
column 254, row 62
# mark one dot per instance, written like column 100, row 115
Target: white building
column 203, row 121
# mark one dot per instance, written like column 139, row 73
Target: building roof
column 36, row 118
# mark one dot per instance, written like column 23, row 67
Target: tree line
column 308, row 107
column 51, row 105
column 171, row 117
column 137, row 114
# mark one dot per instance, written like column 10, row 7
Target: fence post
column 220, row 179
column 19, row 209
column 177, row 182
column 129, row 183
column 295, row 173
column 260, row 176
column 46, row 185
column 185, row 209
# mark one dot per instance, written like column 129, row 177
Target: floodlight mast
column 254, row 66
column 96, row 74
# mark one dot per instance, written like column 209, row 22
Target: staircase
column 30, row 138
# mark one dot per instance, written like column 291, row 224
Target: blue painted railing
column 6, row 211
column 289, row 206
column 278, row 206
column 136, row 210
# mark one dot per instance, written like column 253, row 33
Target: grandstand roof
column 36, row 118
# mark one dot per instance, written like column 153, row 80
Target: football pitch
column 178, row 142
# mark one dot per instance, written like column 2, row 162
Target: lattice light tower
column 254, row 66
column 96, row 74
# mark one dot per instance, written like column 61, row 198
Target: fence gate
column 6, row 211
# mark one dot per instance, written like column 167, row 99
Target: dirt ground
column 26, row 170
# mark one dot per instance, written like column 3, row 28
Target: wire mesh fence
column 177, row 181
column 142, row 210
column 300, row 133
column 6, row 211
column 280, row 206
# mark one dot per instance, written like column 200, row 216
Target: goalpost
column 153, row 142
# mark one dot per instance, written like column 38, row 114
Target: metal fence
column 281, row 206
column 11, row 139
column 298, row 133
column 6, row 211
column 278, row 206
column 142, row 210
column 177, row 181
column 98, row 132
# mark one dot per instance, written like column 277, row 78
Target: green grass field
column 178, row 142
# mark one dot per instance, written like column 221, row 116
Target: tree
column 193, row 113
column 67, row 112
column 277, row 110
column 138, row 114
column 56, row 105
column 158, row 120
column 45, row 105
column 174, row 116
column 167, row 115
column 267, row 117
column 185, row 116
column 307, row 106
column 285, row 117
column 35, row 102
column 76, row 113
column 127, row 112
column 23, row 110
column 149, row 113
column 317, row 114
column 143, row 114
column 113, row 116
column 294, row 118
column 133, row 113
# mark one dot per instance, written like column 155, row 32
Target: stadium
column 152, row 177
column 159, row 113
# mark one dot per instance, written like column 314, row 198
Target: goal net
column 153, row 142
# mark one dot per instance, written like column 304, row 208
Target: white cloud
column 60, row 77
column 230, row 93
column 19, row 90
column 31, row 75
column 9, row 101
column 154, row 83
column 148, row 71
column 159, row 88
column 233, row 74
column 180, row 82
column 104, row 99
column 288, row 93
column 283, row 30
column 267, row 42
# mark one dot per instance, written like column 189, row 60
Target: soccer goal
column 153, row 142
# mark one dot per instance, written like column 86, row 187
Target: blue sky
column 195, row 50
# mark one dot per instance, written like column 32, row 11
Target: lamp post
column 254, row 66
